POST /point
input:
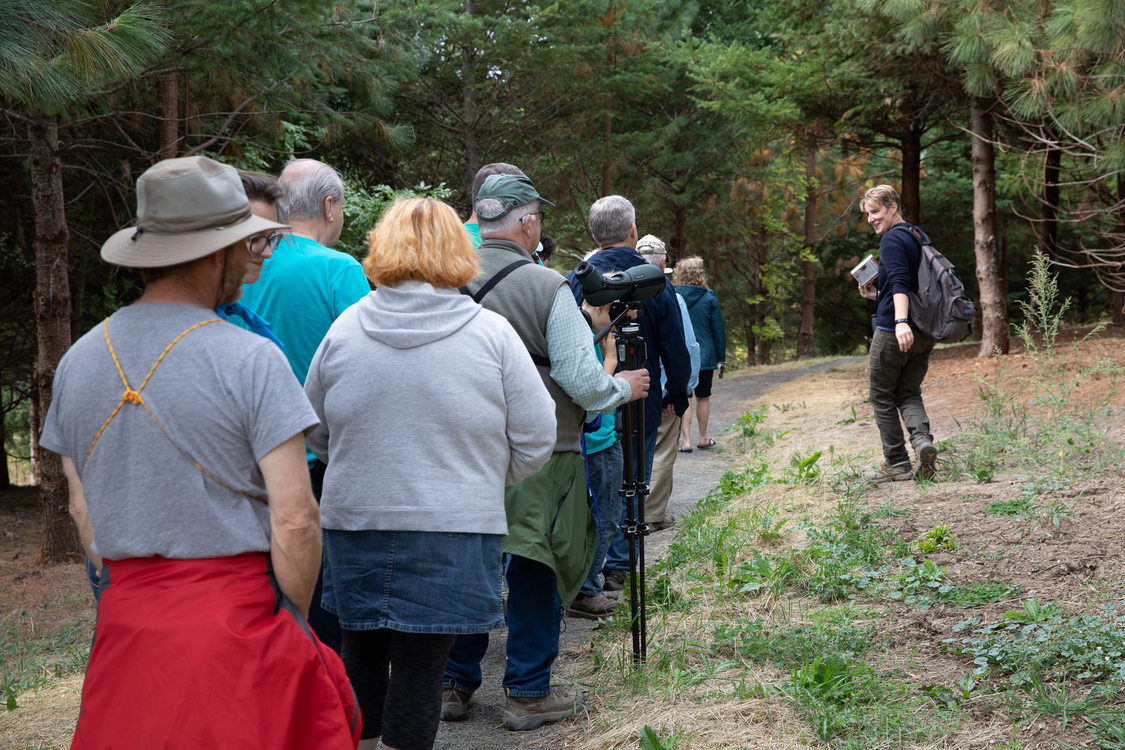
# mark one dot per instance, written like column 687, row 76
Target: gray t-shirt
column 224, row 396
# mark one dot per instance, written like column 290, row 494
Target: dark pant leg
column 366, row 660
column 885, row 367
column 462, row 668
column 533, row 628
column 325, row 624
column 908, row 395
column 412, row 710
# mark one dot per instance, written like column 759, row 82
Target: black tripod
column 631, row 353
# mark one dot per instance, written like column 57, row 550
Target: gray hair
column 506, row 224
column 610, row 219
column 307, row 184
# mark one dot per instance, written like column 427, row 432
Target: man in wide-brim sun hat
column 182, row 439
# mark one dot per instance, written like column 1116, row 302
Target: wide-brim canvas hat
column 187, row 208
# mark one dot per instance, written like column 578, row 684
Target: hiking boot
column 455, row 704
column 523, row 714
column 890, row 473
column 668, row 522
column 927, row 457
column 614, row 580
column 592, row 607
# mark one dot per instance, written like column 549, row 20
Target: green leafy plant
column 938, row 538
column 919, row 583
column 651, row 740
column 748, row 424
column 803, row 469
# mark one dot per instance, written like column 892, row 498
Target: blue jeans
column 618, row 556
column 605, row 469
column 534, row 612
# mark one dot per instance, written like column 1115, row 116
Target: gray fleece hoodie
column 429, row 405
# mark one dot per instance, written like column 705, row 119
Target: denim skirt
column 413, row 581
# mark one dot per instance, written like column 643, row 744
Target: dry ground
column 1080, row 564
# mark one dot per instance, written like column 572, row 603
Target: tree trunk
column 33, row 434
column 469, row 102
column 1118, row 300
column 5, row 476
column 1048, row 229
column 169, row 136
column 679, row 235
column 808, row 285
column 751, row 344
column 994, row 308
column 911, row 169
column 52, row 325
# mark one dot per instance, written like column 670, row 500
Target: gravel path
column 696, row 474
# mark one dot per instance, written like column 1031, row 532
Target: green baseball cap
column 512, row 191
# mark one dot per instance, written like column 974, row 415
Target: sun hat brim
column 133, row 248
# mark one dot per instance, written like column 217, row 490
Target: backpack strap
column 496, row 279
column 489, row 285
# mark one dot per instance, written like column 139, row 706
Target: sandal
column 710, row 444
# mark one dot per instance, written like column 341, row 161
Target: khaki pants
column 664, row 456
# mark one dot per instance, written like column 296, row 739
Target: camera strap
column 489, row 285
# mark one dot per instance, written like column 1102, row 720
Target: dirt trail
column 696, row 473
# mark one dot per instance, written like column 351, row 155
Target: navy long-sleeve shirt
column 899, row 255
column 663, row 331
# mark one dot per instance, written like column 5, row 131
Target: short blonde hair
column 420, row 239
column 881, row 195
column 690, row 271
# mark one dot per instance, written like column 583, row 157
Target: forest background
column 743, row 132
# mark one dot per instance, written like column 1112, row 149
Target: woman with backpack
column 900, row 354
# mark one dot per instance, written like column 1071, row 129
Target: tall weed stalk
column 1040, row 413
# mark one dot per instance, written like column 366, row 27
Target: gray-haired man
column 551, row 534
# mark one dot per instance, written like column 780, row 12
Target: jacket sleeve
column 718, row 331
column 674, row 358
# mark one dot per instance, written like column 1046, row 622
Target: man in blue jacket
column 613, row 225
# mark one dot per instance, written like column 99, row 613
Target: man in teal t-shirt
column 306, row 285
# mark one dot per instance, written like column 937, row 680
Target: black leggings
column 397, row 678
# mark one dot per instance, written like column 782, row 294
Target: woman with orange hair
column 413, row 524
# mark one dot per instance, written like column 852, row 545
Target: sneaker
column 890, row 473
column 614, row 580
column 523, row 714
column 592, row 607
column 927, row 457
column 455, row 704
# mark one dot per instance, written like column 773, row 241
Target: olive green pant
column 896, row 390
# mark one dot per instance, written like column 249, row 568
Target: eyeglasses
column 527, row 217
column 259, row 244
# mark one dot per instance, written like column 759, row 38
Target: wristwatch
column 902, row 320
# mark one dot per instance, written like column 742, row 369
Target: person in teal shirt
column 305, row 286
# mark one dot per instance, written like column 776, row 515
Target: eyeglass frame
column 272, row 240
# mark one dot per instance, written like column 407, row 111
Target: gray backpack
column 939, row 308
